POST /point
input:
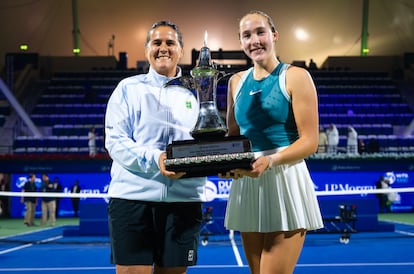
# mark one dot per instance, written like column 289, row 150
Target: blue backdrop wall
column 218, row 189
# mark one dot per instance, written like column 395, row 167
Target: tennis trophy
column 211, row 152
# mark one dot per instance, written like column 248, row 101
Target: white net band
column 220, row 196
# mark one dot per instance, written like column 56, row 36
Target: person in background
column 92, row 142
column 48, row 203
column 384, row 205
column 333, row 139
column 164, row 209
column 361, row 146
column 57, row 187
column 312, row 65
column 30, row 202
column 352, row 141
column 75, row 188
column 4, row 200
column 274, row 105
column 322, row 140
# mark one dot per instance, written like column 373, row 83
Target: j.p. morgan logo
column 347, row 187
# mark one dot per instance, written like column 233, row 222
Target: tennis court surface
column 49, row 250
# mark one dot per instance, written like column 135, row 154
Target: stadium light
column 24, row 47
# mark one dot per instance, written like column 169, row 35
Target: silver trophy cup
column 210, row 153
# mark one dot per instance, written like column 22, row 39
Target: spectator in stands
column 322, row 140
column 333, row 138
column 142, row 118
column 57, row 186
column 361, row 146
column 75, row 188
column 273, row 205
column 352, row 141
column 30, row 202
column 48, row 203
column 92, row 142
column 312, row 65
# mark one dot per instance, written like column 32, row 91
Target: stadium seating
column 370, row 102
column 74, row 102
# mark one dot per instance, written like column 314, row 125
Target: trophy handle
column 222, row 75
column 185, row 81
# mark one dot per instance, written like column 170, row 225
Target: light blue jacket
column 142, row 118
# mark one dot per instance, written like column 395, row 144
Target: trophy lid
column 204, row 59
column 205, row 67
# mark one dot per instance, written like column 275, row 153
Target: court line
column 29, row 245
column 218, row 266
column 405, row 232
column 235, row 248
column 40, row 229
column 356, row 264
column 205, row 266
column 14, row 248
column 56, row 268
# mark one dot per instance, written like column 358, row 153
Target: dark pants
column 384, row 206
column 75, row 205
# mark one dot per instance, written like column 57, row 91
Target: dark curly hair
column 168, row 24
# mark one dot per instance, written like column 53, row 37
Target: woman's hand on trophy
column 170, row 174
column 259, row 166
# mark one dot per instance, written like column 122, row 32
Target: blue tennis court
column 51, row 251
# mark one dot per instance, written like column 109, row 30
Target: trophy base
column 208, row 134
column 199, row 158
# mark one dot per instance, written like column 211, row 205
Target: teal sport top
column 263, row 110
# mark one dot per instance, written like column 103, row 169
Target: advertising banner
column 218, row 188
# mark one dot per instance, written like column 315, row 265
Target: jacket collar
column 159, row 79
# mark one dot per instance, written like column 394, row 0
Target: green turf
column 15, row 226
column 407, row 218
